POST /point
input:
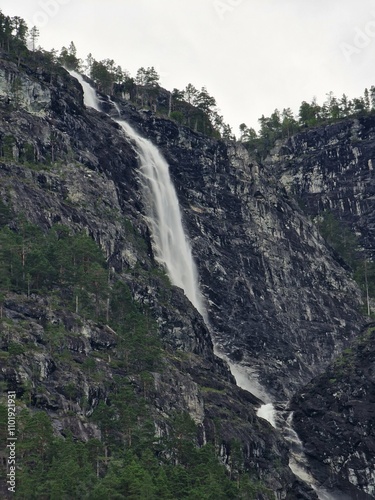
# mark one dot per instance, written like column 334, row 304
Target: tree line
column 192, row 107
column 283, row 124
column 197, row 109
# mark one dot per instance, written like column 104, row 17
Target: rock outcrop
column 331, row 168
column 334, row 416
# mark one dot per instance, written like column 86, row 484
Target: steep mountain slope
column 277, row 301
column 331, row 168
column 335, row 415
column 90, row 359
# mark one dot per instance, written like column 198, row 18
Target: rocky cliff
column 67, row 167
column 331, row 168
column 335, row 415
column 278, row 303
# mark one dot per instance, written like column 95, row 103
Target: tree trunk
column 367, row 293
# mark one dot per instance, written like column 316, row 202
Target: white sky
column 252, row 55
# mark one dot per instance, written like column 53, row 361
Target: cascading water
column 246, row 378
column 297, row 459
column 268, row 412
column 89, row 95
column 170, row 243
column 174, row 252
column 171, row 246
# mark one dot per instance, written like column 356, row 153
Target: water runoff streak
column 174, row 252
column 298, row 461
column 171, row 246
column 170, row 243
column 89, row 95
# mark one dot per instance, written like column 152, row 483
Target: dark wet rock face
column 332, row 168
column 275, row 296
column 277, row 300
column 64, row 164
column 335, row 418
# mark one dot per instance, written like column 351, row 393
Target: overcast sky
column 252, row 55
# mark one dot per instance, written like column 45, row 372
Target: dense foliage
column 13, row 35
column 150, row 469
column 281, row 125
column 129, row 461
column 34, row 262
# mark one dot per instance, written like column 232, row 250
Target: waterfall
column 298, row 461
column 89, row 95
column 246, row 378
column 268, row 412
column 171, row 246
column 173, row 250
column 299, row 464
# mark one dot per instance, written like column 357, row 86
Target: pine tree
column 366, row 99
column 34, row 35
column 372, row 98
column 68, row 58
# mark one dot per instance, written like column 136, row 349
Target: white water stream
column 173, row 250
column 89, row 95
column 171, row 246
column 298, row 461
column 268, row 412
